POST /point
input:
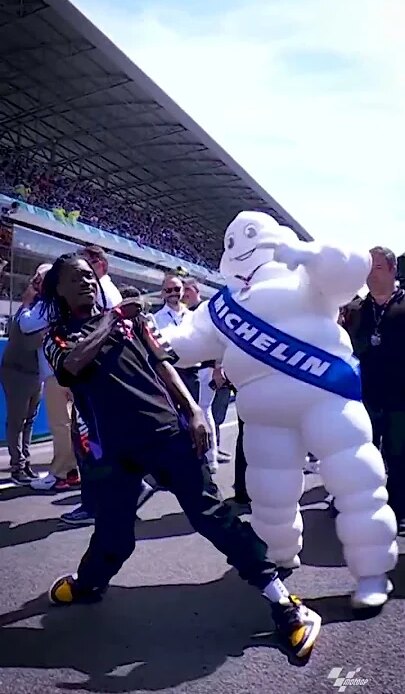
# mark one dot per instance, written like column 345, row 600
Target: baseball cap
column 42, row 269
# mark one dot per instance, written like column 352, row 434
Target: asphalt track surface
column 177, row 619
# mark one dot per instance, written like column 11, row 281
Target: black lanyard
column 173, row 319
column 376, row 335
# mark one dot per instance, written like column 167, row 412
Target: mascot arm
column 196, row 339
column 335, row 272
column 339, row 274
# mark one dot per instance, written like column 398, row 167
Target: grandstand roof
column 70, row 96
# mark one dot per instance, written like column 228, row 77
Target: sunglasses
column 173, row 290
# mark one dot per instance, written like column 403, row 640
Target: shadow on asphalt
column 318, row 525
column 71, row 500
column 138, row 637
column 172, row 525
column 19, row 492
column 149, row 629
column 12, row 535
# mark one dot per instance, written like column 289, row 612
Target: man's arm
column 184, row 400
column 68, row 359
column 31, row 321
column 160, row 356
column 177, row 390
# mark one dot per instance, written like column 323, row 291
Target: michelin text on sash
column 276, row 349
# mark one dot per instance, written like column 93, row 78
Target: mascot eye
column 230, row 242
column 250, row 232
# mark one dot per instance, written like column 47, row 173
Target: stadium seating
column 74, row 198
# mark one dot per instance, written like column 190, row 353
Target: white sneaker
column 44, row 483
column 372, row 591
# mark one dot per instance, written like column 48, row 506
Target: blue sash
column 283, row 352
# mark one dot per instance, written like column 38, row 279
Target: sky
column 307, row 95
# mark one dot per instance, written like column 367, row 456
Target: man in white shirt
column 173, row 313
column 108, row 295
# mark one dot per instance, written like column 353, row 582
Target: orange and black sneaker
column 65, row 591
column 298, row 625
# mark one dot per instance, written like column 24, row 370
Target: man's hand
column 199, row 433
column 130, row 308
column 29, row 295
column 292, row 254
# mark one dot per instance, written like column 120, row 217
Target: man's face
column 191, row 295
column 99, row 266
column 382, row 272
column 172, row 291
column 77, row 285
column 36, row 282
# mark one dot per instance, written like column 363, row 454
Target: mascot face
column 247, row 246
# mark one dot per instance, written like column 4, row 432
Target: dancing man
column 128, row 393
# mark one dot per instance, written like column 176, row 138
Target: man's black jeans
column 172, row 460
column 389, row 437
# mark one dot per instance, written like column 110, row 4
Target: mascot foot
column 371, row 592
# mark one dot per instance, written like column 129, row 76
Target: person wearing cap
column 22, row 384
column 63, row 473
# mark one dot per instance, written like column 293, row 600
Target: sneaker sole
column 307, row 647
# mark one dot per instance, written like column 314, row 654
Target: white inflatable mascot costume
column 274, row 327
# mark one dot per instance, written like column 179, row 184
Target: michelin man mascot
column 274, row 326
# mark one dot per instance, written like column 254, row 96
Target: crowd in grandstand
column 72, row 199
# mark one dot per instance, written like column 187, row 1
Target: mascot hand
column 293, row 255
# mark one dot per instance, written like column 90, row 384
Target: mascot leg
column 339, row 431
column 274, row 482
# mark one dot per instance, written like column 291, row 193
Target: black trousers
column 172, row 460
column 241, row 495
column 389, row 437
column 220, row 407
column 191, row 381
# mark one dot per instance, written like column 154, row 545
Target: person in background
column 130, row 396
column 241, row 498
column 173, row 313
column 219, row 408
column 107, row 293
column 22, row 385
column 63, row 472
column 376, row 325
